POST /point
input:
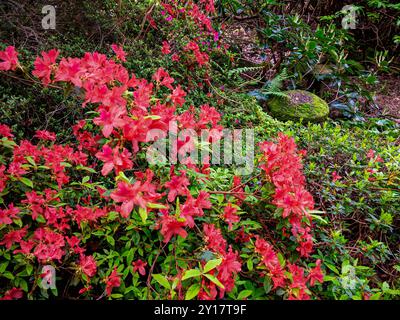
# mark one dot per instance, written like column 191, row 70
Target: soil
column 388, row 96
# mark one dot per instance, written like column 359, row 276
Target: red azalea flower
column 45, row 135
column 177, row 186
column 166, row 48
column 114, row 160
column 129, row 195
column 50, row 245
column 45, row 65
column 88, row 265
column 175, row 57
column 70, row 70
column 86, row 289
column 119, row 52
column 316, row 274
column 170, row 226
column 335, row 176
column 372, row 156
column 112, row 281
column 13, row 294
column 178, row 96
column 230, row 215
column 109, row 119
column 6, row 215
column 214, row 239
column 5, row 131
column 12, row 237
column 162, row 77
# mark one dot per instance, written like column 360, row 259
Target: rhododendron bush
column 112, row 225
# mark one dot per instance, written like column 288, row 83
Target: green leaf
column 129, row 257
column 332, row 267
column 23, row 284
column 162, row 280
column 191, row 274
column 8, row 275
column 156, row 206
column 110, row 240
column 152, row 117
column 214, row 280
column 122, row 176
column 8, row 143
column 244, row 294
column 26, row 181
column 281, row 259
column 267, row 284
column 250, row 264
column 40, row 219
column 85, row 179
column 80, row 167
column 212, row 264
column 193, row 291
column 29, row 269
column 112, row 215
column 3, row 266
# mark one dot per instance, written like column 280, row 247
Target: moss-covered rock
column 298, row 105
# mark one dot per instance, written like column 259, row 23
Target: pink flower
column 170, row 227
column 129, row 195
column 45, row 135
column 162, row 77
column 12, row 237
column 88, row 265
column 120, row 53
column 139, row 265
column 45, row 65
column 371, row 155
column 177, row 186
column 6, row 215
column 230, row 215
column 175, row 57
column 214, row 239
column 335, row 176
column 13, row 294
column 5, row 131
column 114, row 159
column 178, row 96
column 10, row 59
column 316, row 274
column 166, row 49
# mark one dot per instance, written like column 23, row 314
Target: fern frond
column 244, row 70
column 275, row 85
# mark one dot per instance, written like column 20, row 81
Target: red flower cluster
column 226, row 271
column 292, row 278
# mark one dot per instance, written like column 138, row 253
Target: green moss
column 299, row 105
